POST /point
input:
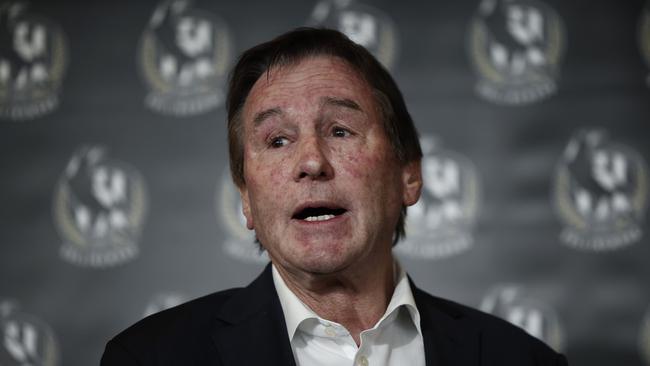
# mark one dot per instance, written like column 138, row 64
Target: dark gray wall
column 92, row 238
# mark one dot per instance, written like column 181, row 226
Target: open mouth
column 318, row 213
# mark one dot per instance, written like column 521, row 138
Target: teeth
column 319, row 218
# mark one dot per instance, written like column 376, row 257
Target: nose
column 312, row 161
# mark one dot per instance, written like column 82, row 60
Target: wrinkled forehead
column 303, row 83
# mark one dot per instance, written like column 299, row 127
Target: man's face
column 323, row 186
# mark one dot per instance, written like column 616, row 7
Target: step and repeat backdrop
column 116, row 200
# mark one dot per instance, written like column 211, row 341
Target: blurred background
column 116, row 200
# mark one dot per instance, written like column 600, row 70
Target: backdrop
column 116, row 199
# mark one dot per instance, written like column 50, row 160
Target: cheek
column 262, row 168
column 365, row 164
column 352, row 164
column 350, row 161
column 370, row 167
column 275, row 175
column 265, row 181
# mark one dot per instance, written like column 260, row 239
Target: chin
column 326, row 260
column 323, row 268
column 316, row 255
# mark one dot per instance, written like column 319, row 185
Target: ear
column 412, row 182
column 246, row 207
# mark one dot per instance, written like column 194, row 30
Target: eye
column 340, row 132
column 279, row 141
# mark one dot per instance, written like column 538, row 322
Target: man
column 326, row 159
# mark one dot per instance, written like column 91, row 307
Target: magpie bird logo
column 239, row 242
column 441, row 223
column 25, row 340
column 99, row 209
column 363, row 24
column 515, row 304
column 516, row 48
column 33, row 58
column 184, row 55
column 600, row 192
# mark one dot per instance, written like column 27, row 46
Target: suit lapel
column 253, row 330
column 448, row 338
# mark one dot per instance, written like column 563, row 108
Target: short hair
column 302, row 43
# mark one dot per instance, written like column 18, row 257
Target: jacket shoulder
column 184, row 329
column 501, row 341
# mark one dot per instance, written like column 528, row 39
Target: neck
column 355, row 298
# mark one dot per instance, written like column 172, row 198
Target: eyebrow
column 341, row 102
column 265, row 114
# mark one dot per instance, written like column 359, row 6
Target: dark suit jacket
column 246, row 327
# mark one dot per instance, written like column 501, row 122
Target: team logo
column 516, row 47
column 239, row 242
column 99, row 209
column 512, row 303
column 644, row 37
column 184, row 56
column 163, row 301
column 25, row 340
column 33, row 57
column 363, row 24
column 600, row 192
column 440, row 224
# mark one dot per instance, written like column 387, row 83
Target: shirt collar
column 295, row 311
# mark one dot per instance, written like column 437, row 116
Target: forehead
column 300, row 84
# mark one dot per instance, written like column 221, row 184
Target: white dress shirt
column 395, row 340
